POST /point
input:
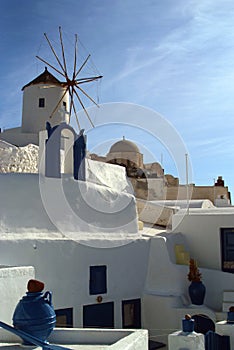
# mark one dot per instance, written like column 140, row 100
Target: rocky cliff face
column 18, row 159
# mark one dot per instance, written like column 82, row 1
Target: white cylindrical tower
column 39, row 101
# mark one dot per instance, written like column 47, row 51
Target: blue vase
column 197, row 292
column 187, row 325
column 35, row 315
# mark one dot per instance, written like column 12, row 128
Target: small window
column 41, row 102
column 64, row 104
column 97, row 280
column 64, row 317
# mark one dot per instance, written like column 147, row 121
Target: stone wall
column 197, row 192
column 125, row 157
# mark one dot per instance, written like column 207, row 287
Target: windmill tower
column 39, row 99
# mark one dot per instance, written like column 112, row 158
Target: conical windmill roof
column 45, row 78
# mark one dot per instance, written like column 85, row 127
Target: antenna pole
column 187, row 184
column 161, row 159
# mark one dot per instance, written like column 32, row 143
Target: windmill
column 74, row 83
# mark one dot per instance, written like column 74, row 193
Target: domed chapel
column 126, row 153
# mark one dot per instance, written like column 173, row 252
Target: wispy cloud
column 176, row 57
column 197, row 49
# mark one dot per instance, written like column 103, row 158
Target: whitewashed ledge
column 84, row 339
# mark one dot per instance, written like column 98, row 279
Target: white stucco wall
column 216, row 283
column 13, row 282
column 117, row 339
column 164, row 277
column 166, row 286
column 159, row 315
column 92, row 339
column 165, row 289
column 63, row 266
column 201, row 230
column 154, row 213
column 63, row 204
column 166, row 300
column 144, row 268
column 109, row 175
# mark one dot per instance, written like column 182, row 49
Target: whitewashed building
column 81, row 238
column 101, row 280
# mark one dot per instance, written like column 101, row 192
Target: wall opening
column 99, row 315
column 203, row 324
column 64, row 317
column 131, row 313
column 227, row 249
column 41, row 102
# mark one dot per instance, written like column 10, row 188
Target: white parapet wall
column 33, row 203
column 13, row 285
column 92, row 339
column 118, row 339
column 110, row 175
column 155, row 213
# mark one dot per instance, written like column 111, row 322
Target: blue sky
column 175, row 57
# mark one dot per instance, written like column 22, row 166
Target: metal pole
column 214, row 193
column 187, row 184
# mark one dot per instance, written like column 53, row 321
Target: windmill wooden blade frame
column 71, row 84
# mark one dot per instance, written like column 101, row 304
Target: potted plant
column 196, row 289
